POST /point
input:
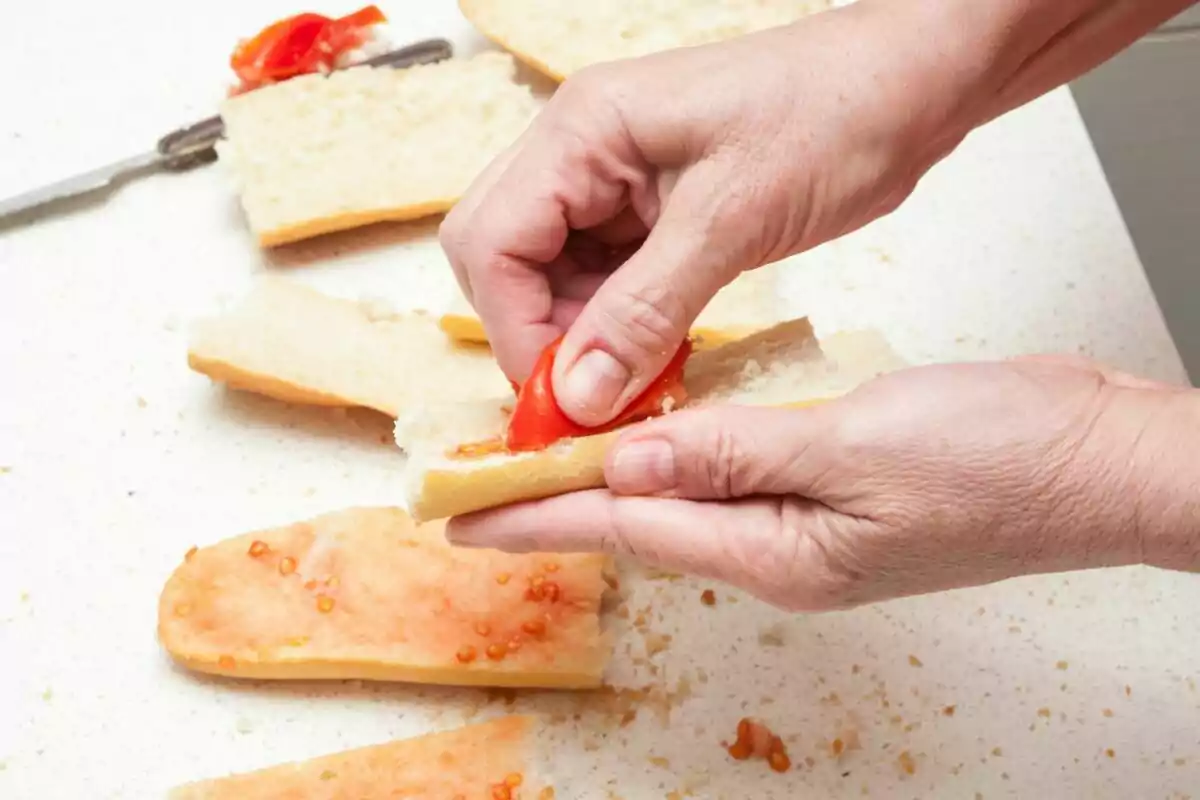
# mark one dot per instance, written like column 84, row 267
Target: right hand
column 647, row 185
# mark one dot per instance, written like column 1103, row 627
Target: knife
column 193, row 145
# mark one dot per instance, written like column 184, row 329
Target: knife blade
column 190, row 146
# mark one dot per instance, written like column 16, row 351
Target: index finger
column 513, row 235
column 572, row 170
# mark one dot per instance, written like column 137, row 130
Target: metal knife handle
column 423, row 52
column 195, row 145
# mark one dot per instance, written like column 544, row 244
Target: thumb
column 632, row 326
column 722, row 453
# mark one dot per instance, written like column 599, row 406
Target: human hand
column 647, row 185
column 922, row 480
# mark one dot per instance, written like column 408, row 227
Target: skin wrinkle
column 620, row 541
column 807, row 523
column 648, row 321
column 1049, row 483
column 1139, row 488
column 590, row 191
column 758, row 558
column 726, row 463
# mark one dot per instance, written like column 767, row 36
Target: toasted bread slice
column 366, row 593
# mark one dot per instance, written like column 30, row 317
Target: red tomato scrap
column 299, row 45
column 537, row 422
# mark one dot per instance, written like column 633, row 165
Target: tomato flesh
column 537, row 421
column 300, row 45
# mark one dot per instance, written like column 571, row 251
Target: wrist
column 1134, row 481
column 1166, row 476
column 958, row 64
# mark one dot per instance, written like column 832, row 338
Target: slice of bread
column 559, row 37
column 290, row 342
column 783, row 365
column 318, row 154
column 465, row 762
column 468, row 330
column 748, row 304
column 367, row 594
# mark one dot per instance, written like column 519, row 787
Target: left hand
column 926, row 479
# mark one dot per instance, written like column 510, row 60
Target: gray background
column 1143, row 113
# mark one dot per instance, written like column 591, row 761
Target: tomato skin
column 299, row 45
column 537, row 421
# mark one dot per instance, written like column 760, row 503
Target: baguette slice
column 465, row 762
column 783, row 365
column 468, row 330
column 746, row 305
column 367, row 594
column 559, row 37
column 295, row 344
column 318, row 154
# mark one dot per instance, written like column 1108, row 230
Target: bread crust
column 572, row 467
column 320, row 226
column 467, row 329
column 267, row 385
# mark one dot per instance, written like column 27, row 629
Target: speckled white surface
column 116, row 459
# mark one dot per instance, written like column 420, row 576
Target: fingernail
column 645, row 467
column 593, row 384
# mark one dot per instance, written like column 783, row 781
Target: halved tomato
column 299, row 45
column 537, row 421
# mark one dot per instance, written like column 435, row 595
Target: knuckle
column 450, row 232
column 725, row 464
column 588, row 84
column 615, row 538
column 649, row 321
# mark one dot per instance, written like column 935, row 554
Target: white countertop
column 116, row 459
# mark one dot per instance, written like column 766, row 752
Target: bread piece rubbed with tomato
column 784, row 365
column 367, row 594
column 475, row 761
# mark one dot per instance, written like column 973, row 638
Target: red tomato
column 537, row 422
column 300, row 45
column 349, row 31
